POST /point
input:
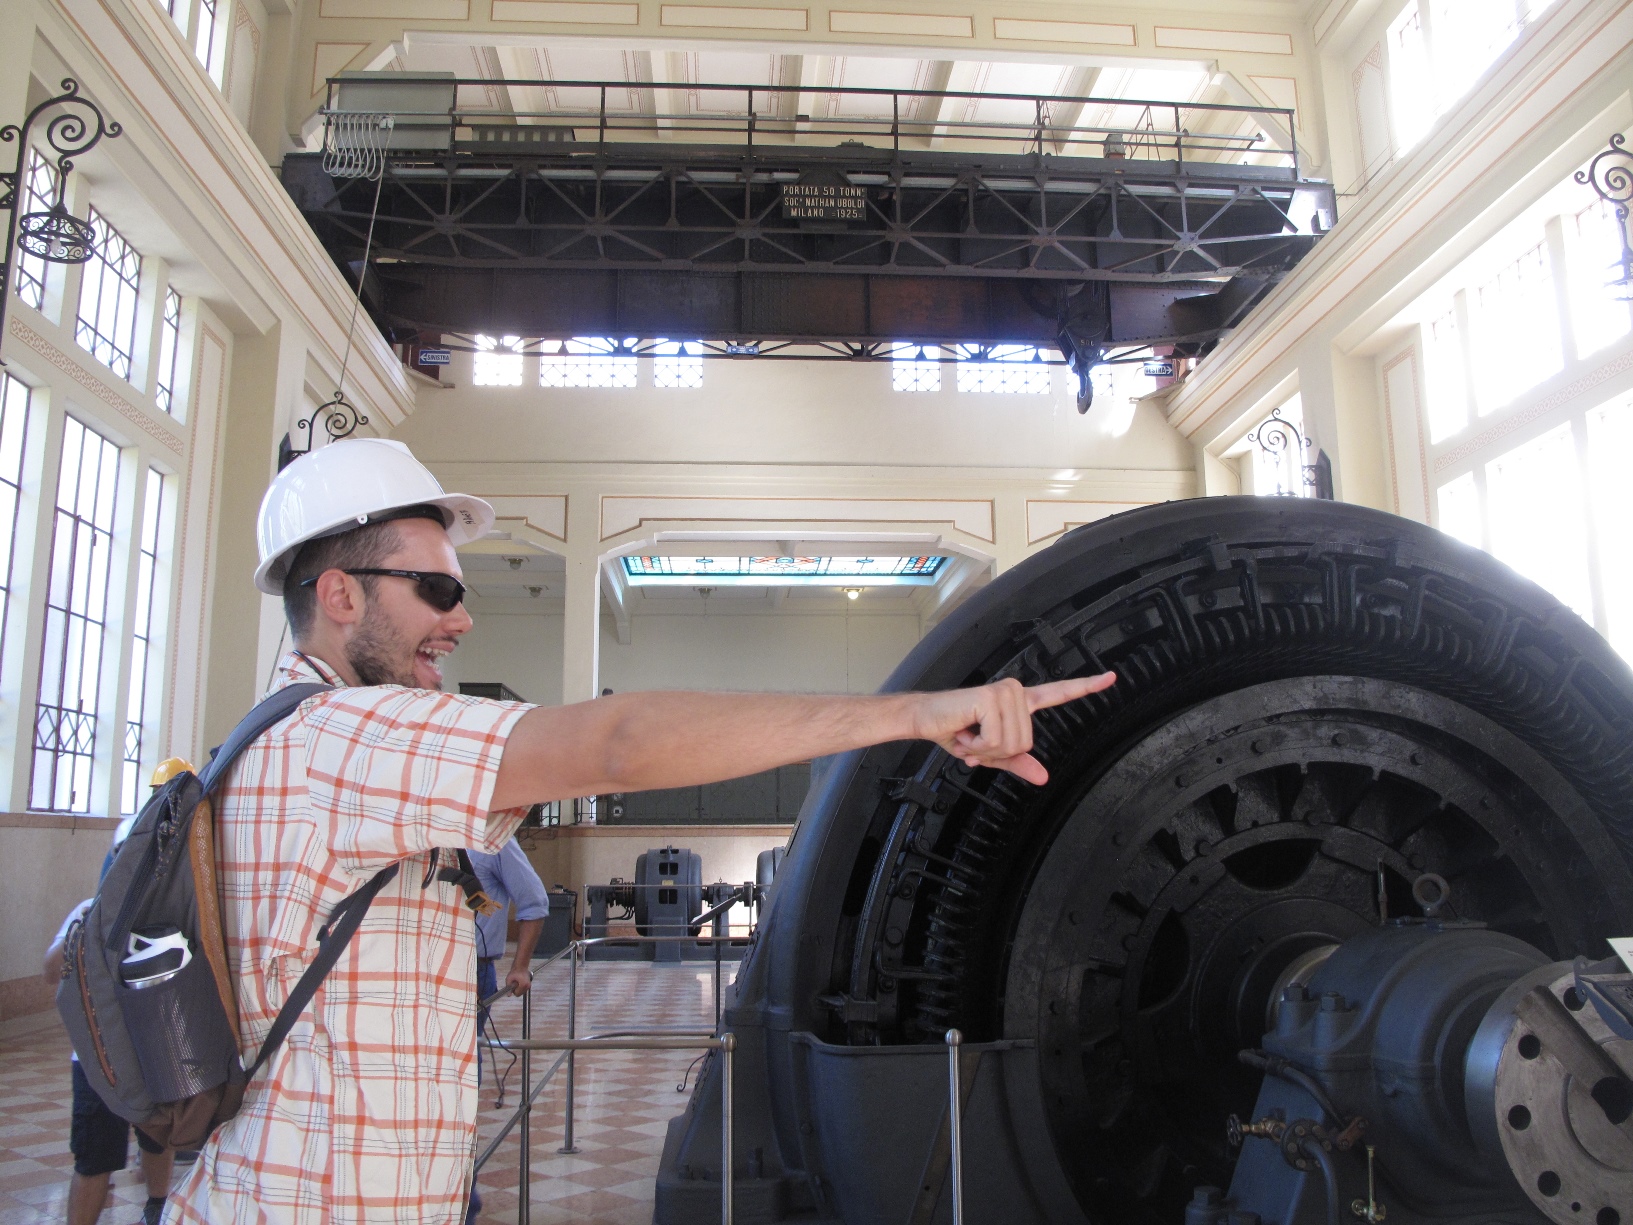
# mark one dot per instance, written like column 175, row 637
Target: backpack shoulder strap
column 274, row 708
column 337, row 933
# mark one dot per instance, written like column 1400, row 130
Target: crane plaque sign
column 823, row 197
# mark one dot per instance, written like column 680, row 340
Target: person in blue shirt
column 507, row 877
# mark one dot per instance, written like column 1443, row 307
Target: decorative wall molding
column 1109, row 34
column 97, row 387
column 543, row 513
column 331, row 59
column 1186, row 38
column 1047, row 518
column 724, row 18
column 932, row 25
column 568, row 12
column 243, row 18
column 1509, row 425
column 624, row 513
column 413, row 10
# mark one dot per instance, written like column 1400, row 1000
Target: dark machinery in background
column 667, row 898
column 1308, row 926
column 750, row 223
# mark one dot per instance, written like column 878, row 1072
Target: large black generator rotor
column 1318, row 707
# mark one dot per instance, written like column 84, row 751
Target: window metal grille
column 498, row 362
column 204, row 39
column 39, row 194
column 916, row 369
column 677, row 364
column 107, row 299
column 142, row 705
column 14, row 412
column 76, row 613
column 169, row 343
column 1002, row 369
column 587, row 361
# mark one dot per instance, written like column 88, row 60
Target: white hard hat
column 345, row 485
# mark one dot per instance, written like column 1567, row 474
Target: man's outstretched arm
column 643, row 741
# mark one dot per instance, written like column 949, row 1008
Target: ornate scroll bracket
column 54, row 234
column 340, row 417
column 1610, row 174
column 1286, row 445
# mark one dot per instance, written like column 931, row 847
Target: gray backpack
column 146, row 992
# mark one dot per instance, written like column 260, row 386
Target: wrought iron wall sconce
column 1286, row 444
column 54, row 235
column 1610, row 174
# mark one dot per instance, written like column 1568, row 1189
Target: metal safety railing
column 669, row 1039
column 655, row 1039
column 427, row 115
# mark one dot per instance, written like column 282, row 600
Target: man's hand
column 992, row 725
column 519, row 981
column 645, row 741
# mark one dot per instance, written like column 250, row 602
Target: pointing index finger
column 1056, row 693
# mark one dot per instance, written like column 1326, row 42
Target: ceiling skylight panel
column 656, row 571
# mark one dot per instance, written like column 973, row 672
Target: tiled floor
column 624, row 1102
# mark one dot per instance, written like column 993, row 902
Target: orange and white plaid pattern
column 368, row 1110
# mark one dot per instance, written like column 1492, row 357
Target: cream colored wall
column 784, row 651
column 52, row 869
column 772, row 411
column 578, row 855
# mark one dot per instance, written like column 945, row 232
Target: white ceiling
column 818, row 77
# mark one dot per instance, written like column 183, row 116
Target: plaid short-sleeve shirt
column 368, row 1110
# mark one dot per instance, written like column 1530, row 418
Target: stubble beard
column 379, row 655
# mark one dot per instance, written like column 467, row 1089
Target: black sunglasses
column 442, row 592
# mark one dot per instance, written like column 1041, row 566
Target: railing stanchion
column 728, row 1046
column 524, row 1192
column 717, row 984
column 567, row 1145
column 955, row 1123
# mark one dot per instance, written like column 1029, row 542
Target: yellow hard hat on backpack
column 168, row 769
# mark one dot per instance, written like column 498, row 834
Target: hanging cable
column 355, row 148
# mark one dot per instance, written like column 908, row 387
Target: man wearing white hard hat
column 368, row 1110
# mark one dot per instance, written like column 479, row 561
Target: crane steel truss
column 760, row 226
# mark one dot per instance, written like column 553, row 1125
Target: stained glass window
column 587, row 361
column 107, row 299
column 677, row 364
column 783, row 571
column 76, row 616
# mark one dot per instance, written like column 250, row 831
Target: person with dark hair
column 368, row 1110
